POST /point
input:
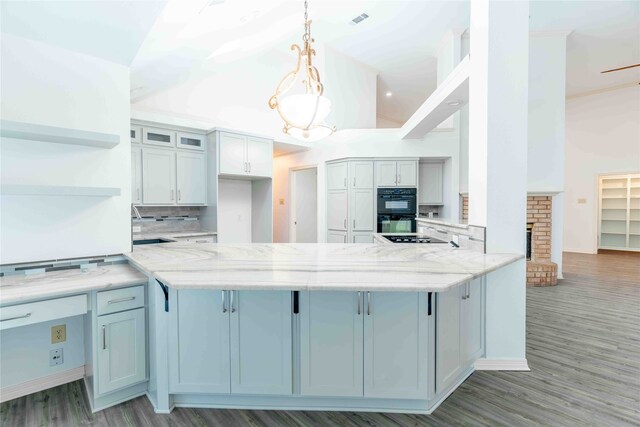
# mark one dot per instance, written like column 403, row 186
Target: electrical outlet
column 58, row 334
column 582, row 201
column 56, row 357
column 137, row 229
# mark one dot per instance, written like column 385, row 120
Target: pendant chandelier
column 303, row 113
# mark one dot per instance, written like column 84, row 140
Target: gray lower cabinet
column 364, row 344
column 261, row 346
column 459, row 332
column 331, row 343
column 122, row 350
column 230, row 342
column 199, row 342
column 395, row 345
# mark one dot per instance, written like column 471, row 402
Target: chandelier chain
column 307, row 30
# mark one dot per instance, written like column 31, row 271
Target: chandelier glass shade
column 303, row 113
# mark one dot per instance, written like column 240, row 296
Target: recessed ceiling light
column 389, row 94
column 453, row 102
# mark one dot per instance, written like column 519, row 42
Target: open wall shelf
column 58, row 190
column 619, row 225
column 57, row 135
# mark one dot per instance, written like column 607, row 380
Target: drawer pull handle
column 104, row 337
column 359, row 297
column 368, row 303
column 24, row 316
column 115, row 301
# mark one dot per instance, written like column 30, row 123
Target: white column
column 498, row 109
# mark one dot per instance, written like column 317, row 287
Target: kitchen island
column 358, row 327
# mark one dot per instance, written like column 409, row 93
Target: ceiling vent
column 358, row 19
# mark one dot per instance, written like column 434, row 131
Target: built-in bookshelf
column 619, row 220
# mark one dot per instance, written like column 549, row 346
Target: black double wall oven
column 397, row 210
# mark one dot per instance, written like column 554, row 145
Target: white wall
column 355, row 143
column 603, row 137
column 48, row 85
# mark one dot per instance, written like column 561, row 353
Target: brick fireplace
column 541, row 271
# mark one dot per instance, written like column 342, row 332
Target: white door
column 337, row 210
column 361, row 174
column 337, row 176
column 233, row 150
column 430, row 183
column 386, row 173
column 158, row 177
column 361, row 210
column 136, row 176
column 305, row 205
column 259, row 157
column 336, row 236
column 191, row 177
column 407, row 173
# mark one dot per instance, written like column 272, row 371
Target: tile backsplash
column 159, row 219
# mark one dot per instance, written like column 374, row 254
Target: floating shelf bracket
column 165, row 290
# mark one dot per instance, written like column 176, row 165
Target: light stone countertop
column 170, row 235
column 442, row 221
column 17, row 288
column 321, row 266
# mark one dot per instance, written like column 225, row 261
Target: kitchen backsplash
column 469, row 236
column 158, row 219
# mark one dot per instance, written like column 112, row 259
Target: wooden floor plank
column 583, row 347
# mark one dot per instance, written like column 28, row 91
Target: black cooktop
column 412, row 239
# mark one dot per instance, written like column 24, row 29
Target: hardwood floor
column 583, row 347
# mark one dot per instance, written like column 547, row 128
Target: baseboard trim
column 42, row 383
column 502, row 365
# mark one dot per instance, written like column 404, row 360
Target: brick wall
column 540, row 270
column 465, row 207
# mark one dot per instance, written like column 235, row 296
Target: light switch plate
column 582, row 201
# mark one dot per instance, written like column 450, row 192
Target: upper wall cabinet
column 430, row 184
column 158, row 177
column 361, row 174
column 158, row 136
column 190, row 141
column 392, row 173
column 136, row 134
column 191, row 175
column 136, row 175
column 337, row 176
column 244, row 155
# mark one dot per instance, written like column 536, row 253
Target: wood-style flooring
column 583, row 347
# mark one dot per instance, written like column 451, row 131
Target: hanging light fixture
column 303, row 113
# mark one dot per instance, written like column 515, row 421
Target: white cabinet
column 361, row 173
column 259, row 157
column 158, row 136
column 136, row 175
column 190, row 141
column 158, row 177
column 472, row 325
column 337, row 176
column 122, row 350
column 191, row 176
column 336, row 236
column 392, row 173
column 362, row 209
column 361, row 237
column 430, row 188
column 337, row 210
column 136, row 134
column 243, row 155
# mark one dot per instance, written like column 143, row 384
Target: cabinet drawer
column 42, row 311
column 120, row 299
column 196, row 239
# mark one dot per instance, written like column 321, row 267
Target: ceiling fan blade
column 618, row 69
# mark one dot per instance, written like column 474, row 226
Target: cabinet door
column 430, row 183
column 472, row 323
column 362, row 238
column 157, row 136
column 233, row 154
column 199, row 342
column 331, row 331
column 337, row 176
column 259, row 157
column 190, row 141
column 136, row 134
column 191, row 175
column 396, row 338
column 136, row 176
column 361, row 210
column 122, row 357
column 337, row 210
column 386, row 175
column 336, row 236
column 361, row 173
column 448, row 337
column 407, row 173
column 158, row 177
column 261, row 361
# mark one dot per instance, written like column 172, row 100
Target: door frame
column 292, row 204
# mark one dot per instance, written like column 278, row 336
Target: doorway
column 304, row 205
